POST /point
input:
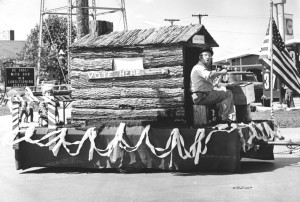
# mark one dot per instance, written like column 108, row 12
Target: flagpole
column 271, row 79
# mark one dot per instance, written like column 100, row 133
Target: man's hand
column 220, row 88
column 215, row 74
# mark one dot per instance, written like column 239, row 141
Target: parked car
column 36, row 90
column 64, row 89
column 53, row 82
column 16, row 91
column 236, row 77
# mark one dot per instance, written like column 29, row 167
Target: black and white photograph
column 149, row 100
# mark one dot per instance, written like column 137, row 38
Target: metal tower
column 67, row 10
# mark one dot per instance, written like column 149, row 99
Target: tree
column 55, row 41
column 4, row 62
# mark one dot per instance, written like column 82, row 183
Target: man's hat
column 207, row 49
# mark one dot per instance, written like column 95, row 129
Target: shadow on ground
column 67, row 170
column 253, row 166
column 247, row 166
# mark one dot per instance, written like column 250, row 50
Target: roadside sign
column 267, row 85
column 20, row 76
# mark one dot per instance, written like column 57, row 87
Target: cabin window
column 128, row 63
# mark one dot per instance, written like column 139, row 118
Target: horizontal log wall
column 95, row 64
column 160, row 57
column 80, row 116
column 119, row 92
column 93, row 53
column 153, row 57
column 80, row 80
column 136, row 98
column 130, row 103
column 128, row 114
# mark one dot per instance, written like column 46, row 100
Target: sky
column 236, row 25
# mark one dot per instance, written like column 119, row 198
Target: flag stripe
column 278, row 58
column 286, row 66
column 283, row 65
column 277, row 67
column 287, row 60
column 267, row 63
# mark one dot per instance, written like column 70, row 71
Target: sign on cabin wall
column 199, row 39
column 17, row 77
column 127, row 67
column 128, row 63
column 127, row 73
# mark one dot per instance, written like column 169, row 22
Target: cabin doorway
column 190, row 58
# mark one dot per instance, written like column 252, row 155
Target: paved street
column 277, row 180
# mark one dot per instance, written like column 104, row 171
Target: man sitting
column 203, row 91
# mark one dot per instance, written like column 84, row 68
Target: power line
column 237, row 32
column 240, row 16
column 261, row 17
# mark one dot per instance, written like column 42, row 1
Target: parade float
column 132, row 110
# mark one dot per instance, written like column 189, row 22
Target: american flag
column 283, row 65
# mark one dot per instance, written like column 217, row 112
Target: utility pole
column 281, row 28
column 40, row 43
column 124, row 15
column 82, row 18
column 94, row 11
column 171, row 21
column 69, row 34
column 199, row 16
column 281, row 21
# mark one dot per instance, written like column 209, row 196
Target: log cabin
column 137, row 77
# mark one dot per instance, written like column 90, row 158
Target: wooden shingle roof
column 141, row 37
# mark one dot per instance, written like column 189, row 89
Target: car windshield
column 55, row 88
column 32, row 88
column 242, row 77
column 63, row 88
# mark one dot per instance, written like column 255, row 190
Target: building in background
column 243, row 61
column 8, row 48
column 248, row 60
column 293, row 45
column 8, row 35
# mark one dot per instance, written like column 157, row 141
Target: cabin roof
column 140, row 37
